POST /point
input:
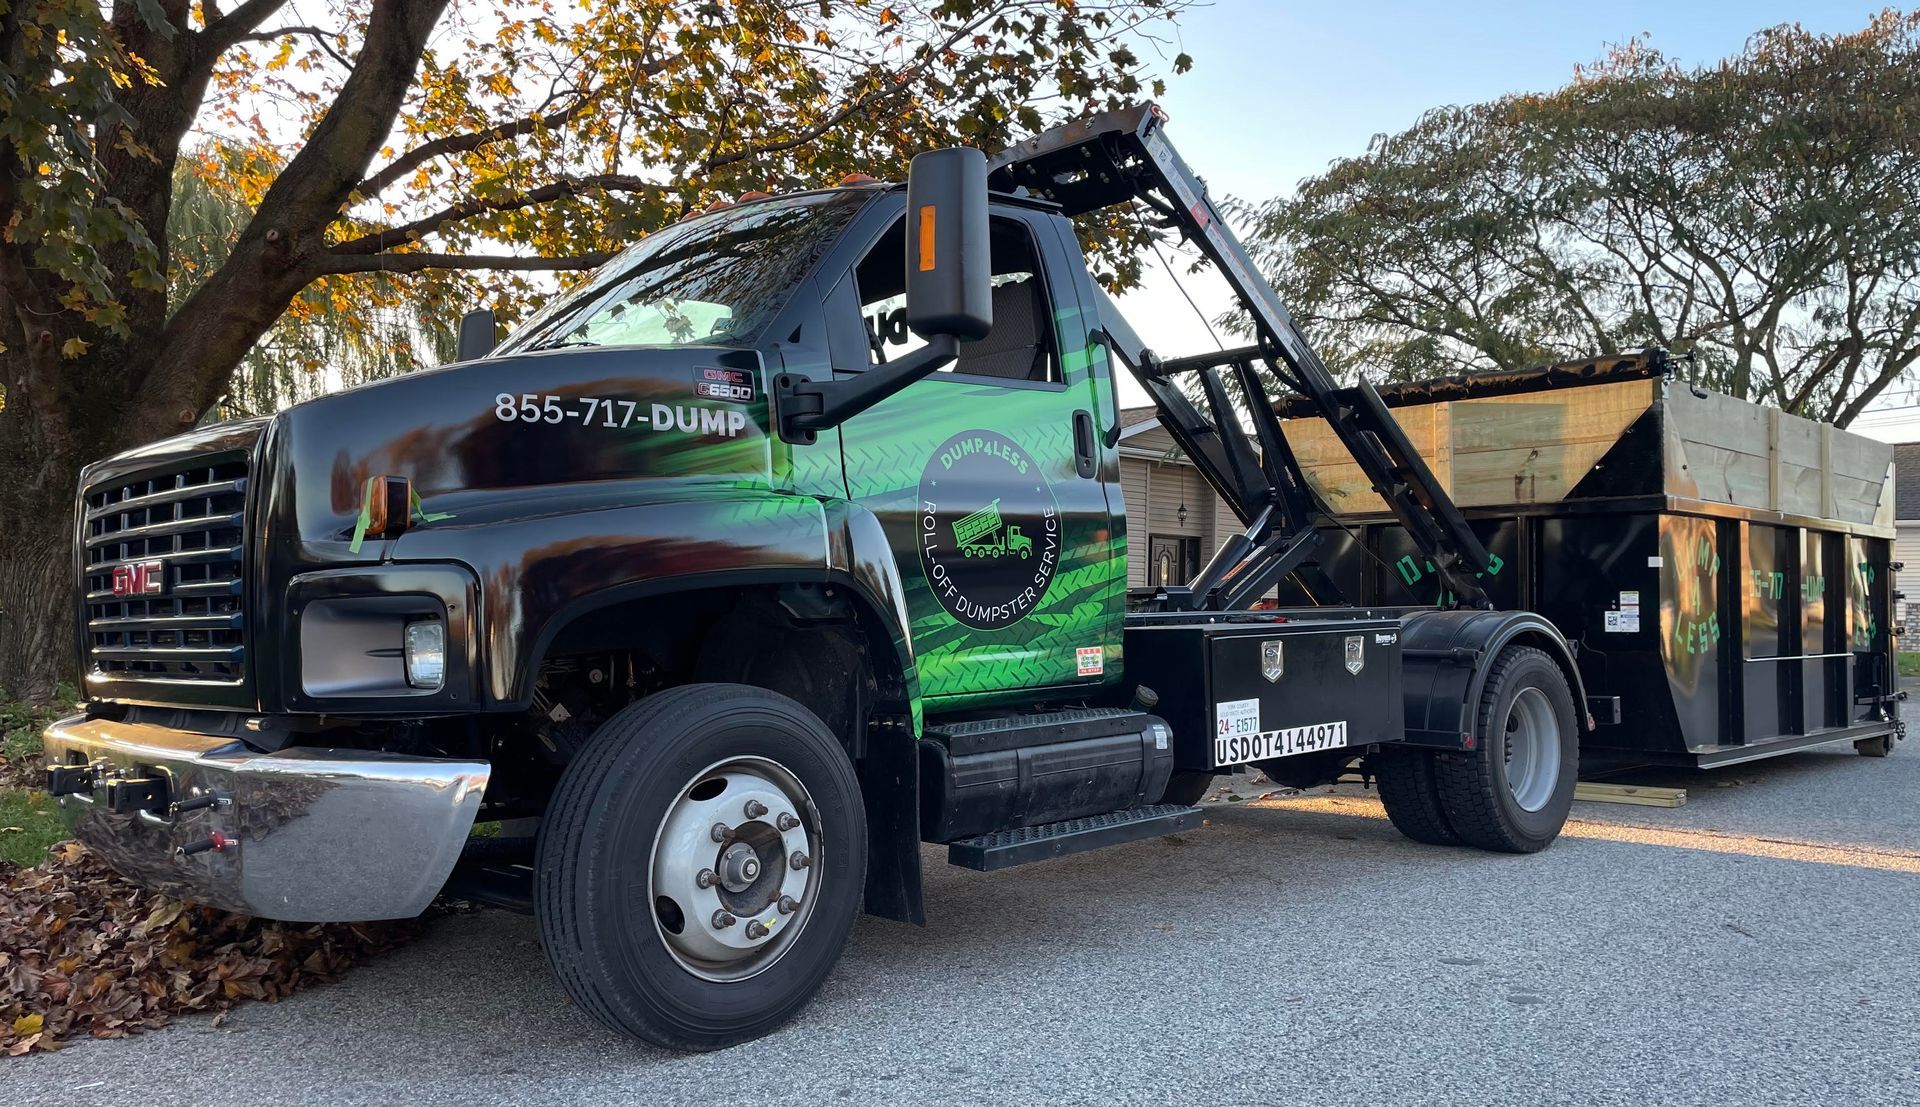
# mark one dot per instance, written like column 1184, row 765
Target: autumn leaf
column 73, row 954
column 163, row 914
column 73, row 347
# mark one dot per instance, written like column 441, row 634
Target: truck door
column 988, row 476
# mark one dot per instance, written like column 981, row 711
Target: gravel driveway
column 1756, row 945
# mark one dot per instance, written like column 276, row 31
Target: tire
column 1875, row 747
column 1411, row 794
column 1512, row 791
column 1187, row 787
column 622, row 830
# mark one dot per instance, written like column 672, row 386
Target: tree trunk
column 54, row 421
column 37, row 598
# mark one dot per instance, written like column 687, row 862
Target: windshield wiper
column 564, row 344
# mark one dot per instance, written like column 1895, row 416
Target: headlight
column 372, row 638
column 426, row 653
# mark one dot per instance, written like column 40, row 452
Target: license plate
column 1238, row 749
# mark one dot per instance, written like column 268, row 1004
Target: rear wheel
column 1411, row 794
column 1512, row 792
column 1187, row 788
column 701, row 865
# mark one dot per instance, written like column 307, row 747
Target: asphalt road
column 1754, row 946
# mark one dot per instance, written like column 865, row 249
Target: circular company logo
column 989, row 529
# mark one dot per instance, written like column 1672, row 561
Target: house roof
column 1906, row 480
column 1133, row 416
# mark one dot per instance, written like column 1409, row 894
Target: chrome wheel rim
column 733, row 868
column 1533, row 749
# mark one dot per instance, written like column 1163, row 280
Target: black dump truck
column 790, row 541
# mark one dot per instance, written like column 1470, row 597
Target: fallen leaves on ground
column 20, row 774
column 85, row 952
column 21, row 765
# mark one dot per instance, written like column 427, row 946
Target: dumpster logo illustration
column 985, row 534
column 988, row 529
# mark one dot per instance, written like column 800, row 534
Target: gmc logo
column 142, row 578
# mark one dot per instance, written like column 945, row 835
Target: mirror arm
column 805, row 407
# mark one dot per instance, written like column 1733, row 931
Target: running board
column 1006, row 848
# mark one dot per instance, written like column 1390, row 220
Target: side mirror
column 949, row 295
column 949, row 267
column 478, row 336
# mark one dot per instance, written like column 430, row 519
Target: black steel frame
column 1123, row 156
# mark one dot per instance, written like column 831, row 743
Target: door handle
column 1084, row 458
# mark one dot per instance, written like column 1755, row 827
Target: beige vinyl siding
column 1175, row 485
column 1906, row 548
column 1157, row 479
column 1225, row 525
column 1134, row 481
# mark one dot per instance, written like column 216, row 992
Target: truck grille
column 176, row 537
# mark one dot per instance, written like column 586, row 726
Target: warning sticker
column 1090, row 660
column 1620, row 622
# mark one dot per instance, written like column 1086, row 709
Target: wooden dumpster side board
column 1534, row 448
column 1490, row 450
column 1743, row 454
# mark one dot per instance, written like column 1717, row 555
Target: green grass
column 1910, row 664
column 29, row 823
column 29, row 818
column 20, row 725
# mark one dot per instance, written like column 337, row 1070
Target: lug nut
column 721, row 832
column 786, row 821
column 788, row 905
column 755, row 930
column 723, row 918
column 705, row 878
column 800, row 860
column 755, row 809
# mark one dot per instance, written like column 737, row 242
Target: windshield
column 717, row 279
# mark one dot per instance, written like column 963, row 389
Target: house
column 1174, row 519
column 1906, row 521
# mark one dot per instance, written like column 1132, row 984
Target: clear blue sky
column 1280, row 90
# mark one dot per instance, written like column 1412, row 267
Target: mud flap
column 890, row 786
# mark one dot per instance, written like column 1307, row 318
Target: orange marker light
column 926, row 238
column 377, row 506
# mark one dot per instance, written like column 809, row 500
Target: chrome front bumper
column 305, row 835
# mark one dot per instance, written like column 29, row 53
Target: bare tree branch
column 321, row 38
column 398, row 168
column 213, row 329
column 416, row 262
column 380, row 241
column 221, row 34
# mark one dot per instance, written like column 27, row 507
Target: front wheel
column 1513, row 790
column 700, row 866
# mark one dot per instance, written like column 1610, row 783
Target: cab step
column 1004, row 849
